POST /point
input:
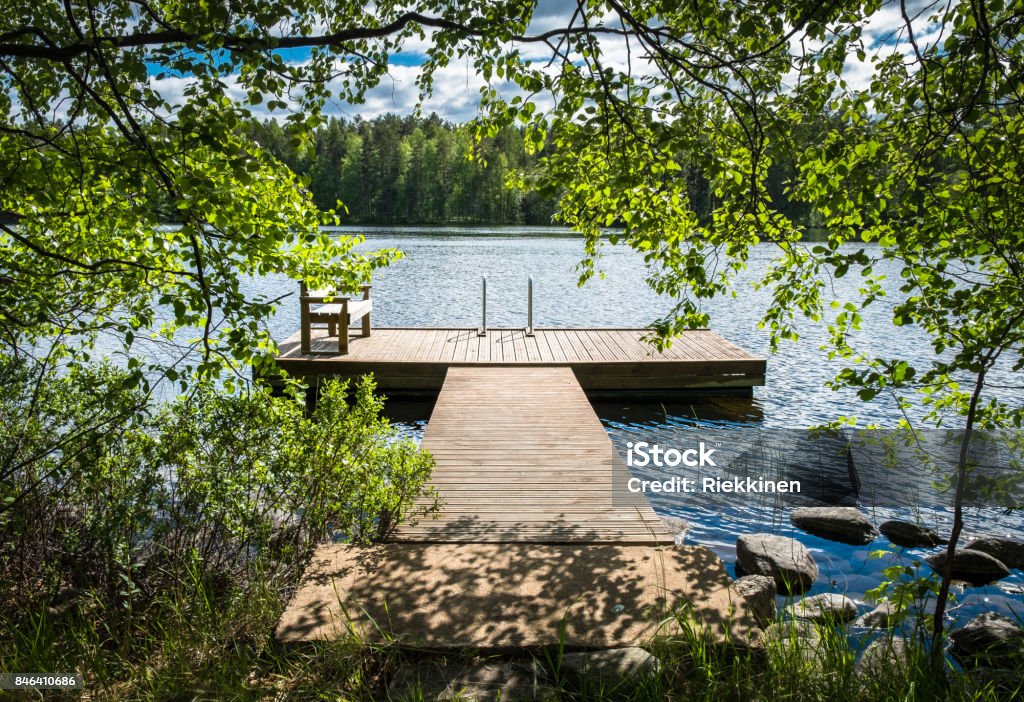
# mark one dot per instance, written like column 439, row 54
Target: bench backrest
column 335, row 295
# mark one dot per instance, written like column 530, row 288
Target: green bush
column 113, row 508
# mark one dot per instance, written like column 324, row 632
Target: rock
column 989, row 639
column 66, row 600
column 790, row 629
column 440, row 680
column 824, row 608
column 882, row 658
column 910, row 535
column 884, row 616
column 993, row 684
column 1009, row 551
column 612, row 670
column 845, row 524
column 974, row 567
column 785, row 560
column 793, row 636
column 759, row 591
column 677, row 527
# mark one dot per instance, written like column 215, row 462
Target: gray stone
column 793, row 637
column 989, row 639
column 1009, row 551
column 442, row 680
column 790, row 630
column 882, row 658
column 66, row 600
column 825, row 608
column 884, row 616
column 677, row 527
column 611, row 672
column 910, row 535
column 993, row 683
column 785, row 560
column 844, row 524
column 759, row 591
column 974, row 567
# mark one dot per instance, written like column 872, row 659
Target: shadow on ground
column 512, row 595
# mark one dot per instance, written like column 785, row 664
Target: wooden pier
column 601, row 359
column 522, row 457
column 538, row 542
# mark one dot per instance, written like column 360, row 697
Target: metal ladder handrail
column 529, row 306
column 482, row 331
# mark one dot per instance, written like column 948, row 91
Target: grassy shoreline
column 199, row 644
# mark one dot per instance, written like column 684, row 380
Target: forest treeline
column 415, row 170
column 410, row 170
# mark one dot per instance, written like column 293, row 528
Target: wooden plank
column 513, row 445
column 571, row 345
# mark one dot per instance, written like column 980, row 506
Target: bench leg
column 304, row 326
column 331, row 328
column 343, row 335
column 366, row 324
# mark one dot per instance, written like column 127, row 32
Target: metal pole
column 482, row 331
column 529, row 307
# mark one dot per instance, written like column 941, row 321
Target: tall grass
column 193, row 646
column 151, row 548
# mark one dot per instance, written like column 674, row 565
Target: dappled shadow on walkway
column 510, row 595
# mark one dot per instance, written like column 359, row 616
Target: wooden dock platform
column 522, row 457
column 404, row 359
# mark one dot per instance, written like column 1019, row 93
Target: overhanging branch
column 50, row 52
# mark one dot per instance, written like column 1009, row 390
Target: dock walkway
column 522, row 457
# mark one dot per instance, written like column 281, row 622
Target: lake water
column 438, row 284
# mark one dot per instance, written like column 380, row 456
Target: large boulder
column 826, row 608
column 974, row 567
column 989, row 639
column 785, row 560
column 759, row 591
column 884, row 616
column 910, row 535
column 883, row 659
column 845, row 524
column 612, row 672
column 1009, row 551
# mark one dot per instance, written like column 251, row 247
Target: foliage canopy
column 921, row 163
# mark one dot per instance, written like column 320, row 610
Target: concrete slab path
column 512, row 595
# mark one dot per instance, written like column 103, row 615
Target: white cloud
column 456, row 90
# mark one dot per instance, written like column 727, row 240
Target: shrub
column 110, row 499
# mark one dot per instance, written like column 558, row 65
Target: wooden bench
column 335, row 309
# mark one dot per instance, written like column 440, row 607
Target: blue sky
column 457, row 86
